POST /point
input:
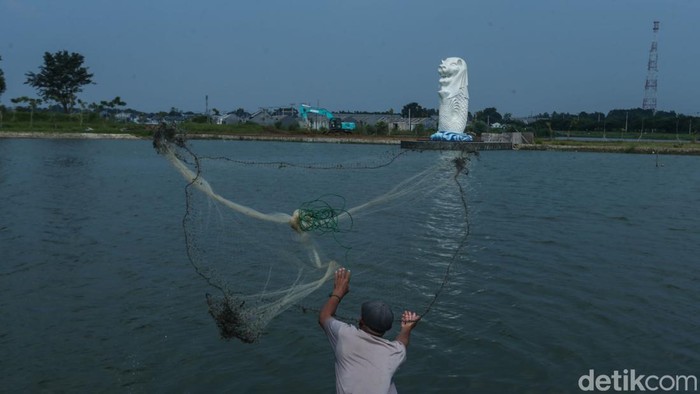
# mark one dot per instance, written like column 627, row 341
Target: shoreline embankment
column 198, row 136
column 632, row 146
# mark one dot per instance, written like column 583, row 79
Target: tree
column 2, row 81
column 83, row 106
column 479, row 126
column 112, row 105
column 60, row 78
column 241, row 113
column 415, row 110
column 96, row 108
column 382, row 127
column 489, row 115
column 33, row 104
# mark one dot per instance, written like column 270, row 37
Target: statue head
column 453, row 76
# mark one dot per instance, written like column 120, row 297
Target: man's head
column 377, row 316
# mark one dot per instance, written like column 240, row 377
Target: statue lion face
column 449, row 68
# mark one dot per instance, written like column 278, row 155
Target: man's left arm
column 341, row 287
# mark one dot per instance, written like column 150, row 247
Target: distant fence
column 513, row 138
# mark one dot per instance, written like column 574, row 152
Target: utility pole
column 604, row 123
column 206, row 108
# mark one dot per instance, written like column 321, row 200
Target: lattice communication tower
column 652, row 72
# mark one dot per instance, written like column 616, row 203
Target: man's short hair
column 377, row 316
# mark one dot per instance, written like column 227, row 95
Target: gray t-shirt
column 364, row 363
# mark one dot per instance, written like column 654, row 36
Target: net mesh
column 265, row 235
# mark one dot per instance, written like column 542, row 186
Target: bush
column 382, row 128
column 200, row 119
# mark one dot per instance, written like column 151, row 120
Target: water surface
column 576, row 261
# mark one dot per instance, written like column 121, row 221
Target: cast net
column 268, row 223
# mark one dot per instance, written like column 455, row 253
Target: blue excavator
column 334, row 124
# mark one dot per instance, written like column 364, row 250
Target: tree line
column 63, row 75
column 617, row 120
column 59, row 80
column 543, row 124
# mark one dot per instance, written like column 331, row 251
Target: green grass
column 627, row 146
column 62, row 123
column 47, row 122
column 625, row 135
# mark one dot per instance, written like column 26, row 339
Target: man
column 364, row 361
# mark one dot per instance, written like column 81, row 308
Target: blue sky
column 524, row 57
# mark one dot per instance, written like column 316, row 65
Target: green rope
column 318, row 215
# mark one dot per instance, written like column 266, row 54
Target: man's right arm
column 408, row 322
column 341, row 287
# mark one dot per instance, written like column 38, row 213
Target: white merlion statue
column 454, row 97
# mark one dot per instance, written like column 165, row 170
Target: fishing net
column 268, row 223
